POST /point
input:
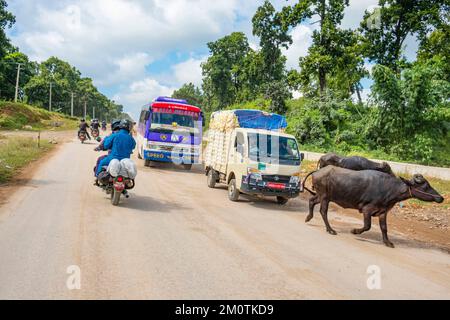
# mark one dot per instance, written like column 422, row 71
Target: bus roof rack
column 170, row 100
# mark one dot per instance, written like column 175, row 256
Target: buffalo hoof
column 332, row 232
column 358, row 231
column 309, row 218
column 389, row 244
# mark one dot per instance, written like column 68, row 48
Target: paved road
column 177, row 239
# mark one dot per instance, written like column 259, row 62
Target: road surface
column 177, row 239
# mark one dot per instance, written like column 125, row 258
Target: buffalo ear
column 419, row 179
column 407, row 182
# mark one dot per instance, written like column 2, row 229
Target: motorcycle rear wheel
column 115, row 197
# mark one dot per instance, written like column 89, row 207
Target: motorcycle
column 95, row 133
column 82, row 136
column 116, row 187
column 117, row 182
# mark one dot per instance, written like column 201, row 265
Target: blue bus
column 170, row 131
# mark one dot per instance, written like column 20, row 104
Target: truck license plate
column 277, row 186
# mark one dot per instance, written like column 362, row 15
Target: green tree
column 334, row 60
column 386, row 29
column 437, row 46
column 191, row 93
column 7, row 20
column 222, row 71
column 273, row 34
column 58, row 74
column 412, row 111
column 8, row 74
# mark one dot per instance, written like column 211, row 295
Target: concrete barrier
column 400, row 168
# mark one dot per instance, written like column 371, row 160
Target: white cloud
column 302, row 40
column 354, row 13
column 369, row 66
column 129, row 68
column 189, row 71
column 139, row 93
column 365, row 95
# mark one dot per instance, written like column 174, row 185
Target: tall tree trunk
column 358, row 93
column 322, row 80
column 322, row 72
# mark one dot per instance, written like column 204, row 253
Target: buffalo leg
column 313, row 202
column 367, row 224
column 324, row 212
column 384, row 230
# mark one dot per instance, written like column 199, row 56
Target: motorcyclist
column 95, row 125
column 104, row 125
column 133, row 129
column 115, row 127
column 83, row 128
column 121, row 145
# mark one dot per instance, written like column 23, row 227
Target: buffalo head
column 422, row 190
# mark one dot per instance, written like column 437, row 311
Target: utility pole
column 50, row 100
column 93, row 112
column 85, row 109
column 17, row 82
column 71, row 106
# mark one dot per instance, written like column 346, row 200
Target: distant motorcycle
column 117, row 179
column 82, row 136
column 95, row 133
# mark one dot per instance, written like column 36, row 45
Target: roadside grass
column 17, row 152
column 18, row 116
column 442, row 186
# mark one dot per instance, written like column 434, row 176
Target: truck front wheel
column 282, row 201
column 233, row 192
column 212, row 179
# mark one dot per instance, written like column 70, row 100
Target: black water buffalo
column 373, row 193
column 353, row 163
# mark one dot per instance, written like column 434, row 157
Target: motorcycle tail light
column 120, row 179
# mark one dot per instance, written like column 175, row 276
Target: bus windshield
column 171, row 118
column 269, row 148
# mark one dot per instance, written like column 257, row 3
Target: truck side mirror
column 302, row 157
column 203, row 119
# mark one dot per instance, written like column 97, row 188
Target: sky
column 136, row 50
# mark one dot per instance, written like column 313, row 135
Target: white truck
column 249, row 151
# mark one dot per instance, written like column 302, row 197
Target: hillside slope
column 19, row 116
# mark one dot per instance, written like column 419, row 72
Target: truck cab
column 255, row 162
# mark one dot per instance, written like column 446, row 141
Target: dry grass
column 17, row 152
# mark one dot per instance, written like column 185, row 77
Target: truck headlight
column 295, row 180
column 254, row 174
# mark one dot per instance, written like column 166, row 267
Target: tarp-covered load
column 250, row 119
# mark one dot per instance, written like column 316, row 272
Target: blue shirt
column 121, row 144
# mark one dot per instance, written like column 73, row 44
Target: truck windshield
column 171, row 118
column 270, row 148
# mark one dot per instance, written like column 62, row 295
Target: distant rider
column 95, row 125
column 84, row 128
column 104, row 125
column 115, row 128
column 121, row 145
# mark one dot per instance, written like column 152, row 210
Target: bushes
column 413, row 112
